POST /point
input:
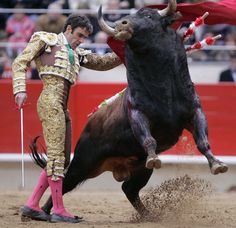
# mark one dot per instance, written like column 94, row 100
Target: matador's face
column 76, row 37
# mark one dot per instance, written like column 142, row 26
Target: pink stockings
column 56, row 191
column 41, row 187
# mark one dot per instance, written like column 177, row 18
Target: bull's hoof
column 153, row 162
column 219, row 167
column 144, row 213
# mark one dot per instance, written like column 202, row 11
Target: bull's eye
column 149, row 16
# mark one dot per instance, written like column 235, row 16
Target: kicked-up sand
column 182, row 202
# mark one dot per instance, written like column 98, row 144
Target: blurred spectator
column 35, row 4
column 78, row 4
column 222, row 29
column 3, row 38
column 4, row 16
column 101, row 38
column 230, row 39
column 94, row 4
column 19, row 27
column 43, row 4
column 5, row 66
column 53, row 21
column 113, row 5
column 229, row 75
column 127, row 4
column 27, row 3
column 93, row 19
column 225, row 55
column 6, row 69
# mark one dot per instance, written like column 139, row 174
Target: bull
column 126, row 136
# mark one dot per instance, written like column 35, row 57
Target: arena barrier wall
column 218, row 101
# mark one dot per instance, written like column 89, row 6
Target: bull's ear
column 166, row 21
column 169, row 20
column 177, row 16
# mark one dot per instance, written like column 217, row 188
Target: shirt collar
column 64, row 39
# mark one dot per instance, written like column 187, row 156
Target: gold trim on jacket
column 51, row 58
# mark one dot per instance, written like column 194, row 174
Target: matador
column 58, row 60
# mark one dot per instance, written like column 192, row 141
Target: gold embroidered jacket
column 51, row 57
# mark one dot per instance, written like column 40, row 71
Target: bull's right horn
column 104, row 26
column 170, row 9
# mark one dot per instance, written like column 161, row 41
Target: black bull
column 158, row 104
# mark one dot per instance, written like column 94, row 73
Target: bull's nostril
column 124, row 22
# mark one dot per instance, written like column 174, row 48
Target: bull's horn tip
column 100, row 11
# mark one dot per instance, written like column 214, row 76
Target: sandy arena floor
column 181, row 202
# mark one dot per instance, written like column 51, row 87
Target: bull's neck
column 141, row 48
column 148, row 61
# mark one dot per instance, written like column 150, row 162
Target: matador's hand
column 20, row 99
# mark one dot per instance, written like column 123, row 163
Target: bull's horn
column 103, row 25
column 170, row 9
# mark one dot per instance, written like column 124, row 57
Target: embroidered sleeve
column 21, row 63
column 82, row 53
column 101, row 63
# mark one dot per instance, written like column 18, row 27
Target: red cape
column 223, row 12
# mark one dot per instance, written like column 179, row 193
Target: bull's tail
column 38, row 158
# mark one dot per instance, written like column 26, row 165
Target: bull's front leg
column 141, row 129
column 199, row 130
column 132, row 187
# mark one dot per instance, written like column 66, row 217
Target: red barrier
column 218, row 104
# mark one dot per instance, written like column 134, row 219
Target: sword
column 22, row 148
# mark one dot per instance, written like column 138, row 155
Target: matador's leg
column 54, row 131
column 51, row 111
column 52, row 116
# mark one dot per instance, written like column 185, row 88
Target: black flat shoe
column 61, row 218
column 31, row 214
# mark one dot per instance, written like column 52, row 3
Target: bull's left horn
column 170, row 9
column 104, row 26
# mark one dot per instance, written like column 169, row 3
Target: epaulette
column 49, row 38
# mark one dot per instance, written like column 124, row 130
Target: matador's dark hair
column 75, row 21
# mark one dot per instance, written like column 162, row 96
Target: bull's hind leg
column 200, row 134
column 141, row 129
column 132, row 187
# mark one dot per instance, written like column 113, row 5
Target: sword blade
column 22, row 148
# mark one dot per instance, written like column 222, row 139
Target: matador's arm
column 94, row 61
column 22, row 62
